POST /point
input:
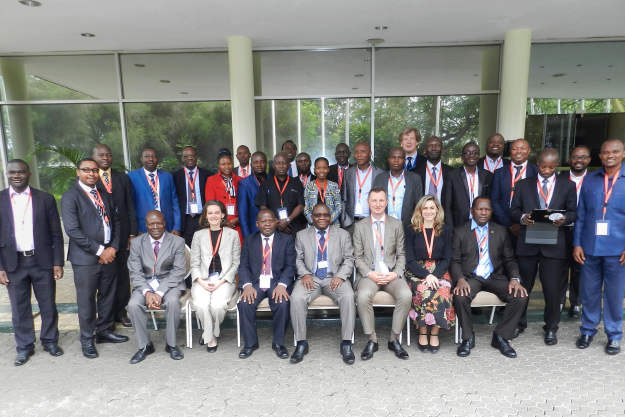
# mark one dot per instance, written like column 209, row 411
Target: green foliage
column 60, row 171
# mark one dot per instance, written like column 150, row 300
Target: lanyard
column 549, row 192
column 428, row 246
column 471, row 183
column 341, row 173
column 99, row 202
column 390, row 181
column 244, row 172
column 228, row 186
column 256, row 179
column 360, row 184
column 496, row 164
column 608, row 193
column 30, row 193
column 108, row 186
column 303, row 179
column 191, row 184
column 514, row 180
column 283, row 188
column 580, row 181
column 266, row 253
column 377, row 235
column 432, row 178
column 215, row 249
column 325, row 244
column 322, row 195
column 152, row 186
column 481, row 243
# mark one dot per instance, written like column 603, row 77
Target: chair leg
column 238, row 330
column 457, row 330
column 154, row 320
column 492, row 315
column 408, row 331
column 189, row 324
column 294, row 339
column 352, row 338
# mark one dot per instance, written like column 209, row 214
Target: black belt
column 26, row 253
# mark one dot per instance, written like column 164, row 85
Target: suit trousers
column 571, row 282
column 606, row 272
column 29, row 274
column 511, row 315
column 366, row 290
column 122, row 284
column 247, row 312
column 137, row 310
column 211, row 307
column 551, row 278
column 343, row 296
column 95, row 286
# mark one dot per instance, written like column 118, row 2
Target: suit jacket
column 421, row 170
column 504, row 162
column 340, row 252
column 84, row 227
column 457, row 203
column 413, row 191
column 47, row 234
column 526, row 199
column 248, row 212
column 348, row 190
column 170, row 266
column 180, row 181
column 464, row 257
column 333, row 174
column 143, row 200
column 394, row 251
column 500, row 190
column 229, row 253
column 121, row 190
column 419, row 160
column 282, row 259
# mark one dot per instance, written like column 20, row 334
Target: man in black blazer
column 430, row 171
column 118, row 185
column 409, row 139
column 244, row 169
column 404, row 188
column 337, row 171
column 31, row 259
column 494, row 160
column 465, row 184
column 544, row 191
column 267, row 270
column 91, row 222
column 481, row 250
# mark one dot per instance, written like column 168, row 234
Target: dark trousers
column 281, row 316
column 94, row 294
column 27, row 275
column 191, row 226
column 571, row 282
column 550, row 270
column 511, row 315
column 122, row 285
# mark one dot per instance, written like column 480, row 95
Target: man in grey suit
column 380, row 265
column 157, row 266
column 325, row 261
column 404, row 188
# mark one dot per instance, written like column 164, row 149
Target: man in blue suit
column 248, row 188
column 599, row 245
column 153, row 189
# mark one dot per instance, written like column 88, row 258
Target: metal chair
column 482, row 299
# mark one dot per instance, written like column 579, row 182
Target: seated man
column 380, row 264
column 325, row 261
column 481, row 251
column 267, row 270
column 157, row 267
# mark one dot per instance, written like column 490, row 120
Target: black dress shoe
column 175, row 353
column 575, row 312
column 504, row 347
column 23, row 357
column 89, row 350
column 110, row 338
column 465, row 347
column 423, row 348
column 211, row 349
column 142, row 353
column 613, row 347
column 280, row 350
column 246, row 352
column 518, row 331
column 367, row 352
column 551, row 338
column 201, row 341
column 347, row 353
column 124, row 321
column 583, row 341
column 54, row 350
column 395, row 346
column 300, row 351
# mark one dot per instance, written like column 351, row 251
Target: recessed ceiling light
column 140, row 65
column 610, row 66
column 367, row 59
column 381, row 27
column 375, row 41
column 609, row 79
column 354, row 88
column 87, row 35
column 184, row 92
column 543, row 66
column 475, row 75
column 30, row 3
column 579, row 65
column 359, row 75
column 560, row 74
column 165, row 81
column 574, row 82
column 542, row 83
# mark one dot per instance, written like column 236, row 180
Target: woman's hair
column 321, row 158
column 224, row 155
column 203, row 222
column 417, row 218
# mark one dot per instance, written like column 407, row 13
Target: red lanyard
column 390, row 181
column 580, row 181
column 228, row 190
column 481, row 243
column 360, row 184
column 432, row 178
column 191, row 183
column 325, row 244
column 30, row 193
column 256, row 179
column 265, row 254
column 496, row 164
column 472, row 184
column 283, row 188
column 514, row 180
column 215, row 249
column 322, row 195
column 377, row 235
column 108, row 186
column 99, row 202
column 547, row 197
column 608, row 193
column 303, row 179
column 428, row 246
column 341, row 172
column 152, row 186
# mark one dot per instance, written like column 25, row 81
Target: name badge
column 322, row 264
column 107, row 234
column 194, row 208
column 394, row 215
column 214, row 277
column 383, row 268
column 602, row 228
column 480, row 271
column 265, row 281
column 282, row 214
column 154, row 283
column 230, row 209
column 358, row 210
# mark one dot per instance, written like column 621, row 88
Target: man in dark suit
column 267, row 270
column 494, row 160
column 337, row 171
column 303, row 168
column 119, row 186
column 404, row 188
column 409, row 139
column 481, row 251
column 543, row 191
column 31, row 259
column 248, row 188
column 465, row 184
column 430, row 172
column 243, row 156
column 91, row 222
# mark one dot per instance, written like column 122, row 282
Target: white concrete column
column 514, row 79
column 241, row 68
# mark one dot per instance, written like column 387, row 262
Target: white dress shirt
column 294, row 172
column 439, row 178
column 153, row 243
column 106, row 226
column 550, row 185
column 366, row 187
column 493, row 165
column 198, row 191
column 22, row 205
column 577, row 180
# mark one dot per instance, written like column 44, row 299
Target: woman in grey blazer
column 215, row 257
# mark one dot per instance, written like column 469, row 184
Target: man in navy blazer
column 248, row 188
column 267, row 270
column 599, row 245
column 153, row 189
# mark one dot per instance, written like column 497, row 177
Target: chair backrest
column 187, row 256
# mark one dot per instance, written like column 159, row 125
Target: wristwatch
column 515, row 279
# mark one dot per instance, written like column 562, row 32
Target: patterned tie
column 378, row 248
column 106, row 178
column 322, row 272
column 244, row 172
column 190, row 198
column 409, row 163
column 267, row 269
column 543, row 203
column 341, row 173
column 433, row 189
column 154, row 196
column 157, row 248
column 94, row 193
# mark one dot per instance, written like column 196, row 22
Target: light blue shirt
column 394, row 206
column 485, row 262
column 325, row 258
column 366, row 187
column 198, row 192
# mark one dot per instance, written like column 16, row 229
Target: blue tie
column 322, row 272
column 154, row 197
column 290, row 170
column 409, row 163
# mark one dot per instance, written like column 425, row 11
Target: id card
column 107, row 234
column 282, row 214
column 602, row 228
column 383, row 268
column 194, row 208
column 322, row 264
column 230, row 209
column 358, row 210
column 480, row 271
column 214, row 277
column 265, row 281
column 154, row 283
column 394, row 215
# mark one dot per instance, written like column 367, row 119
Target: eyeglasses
column 579, row 158
column 471, row 153
column 322, row 216
column 88, row 170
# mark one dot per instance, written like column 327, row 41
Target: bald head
column 549, row 154
column 548, row 162
column 155, row 223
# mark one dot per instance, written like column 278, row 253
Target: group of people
column 431, row 237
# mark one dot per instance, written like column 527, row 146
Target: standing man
column 578, row 161
column 289, row 149
column 303, row 167
column 325, row 261
column 243, row 156
column 599, row 246
column 380, row 266
column 248, row 188
column 337, row 171
column 356, row 185
column 465, row 184
column 434, row 173
column 404, row 188
column 92, row 225
column 153, row 189
column 267, row 270
column 31, row 259
column 118, row 185
column 543, row 191
column 409, row 139
column 494, row 154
